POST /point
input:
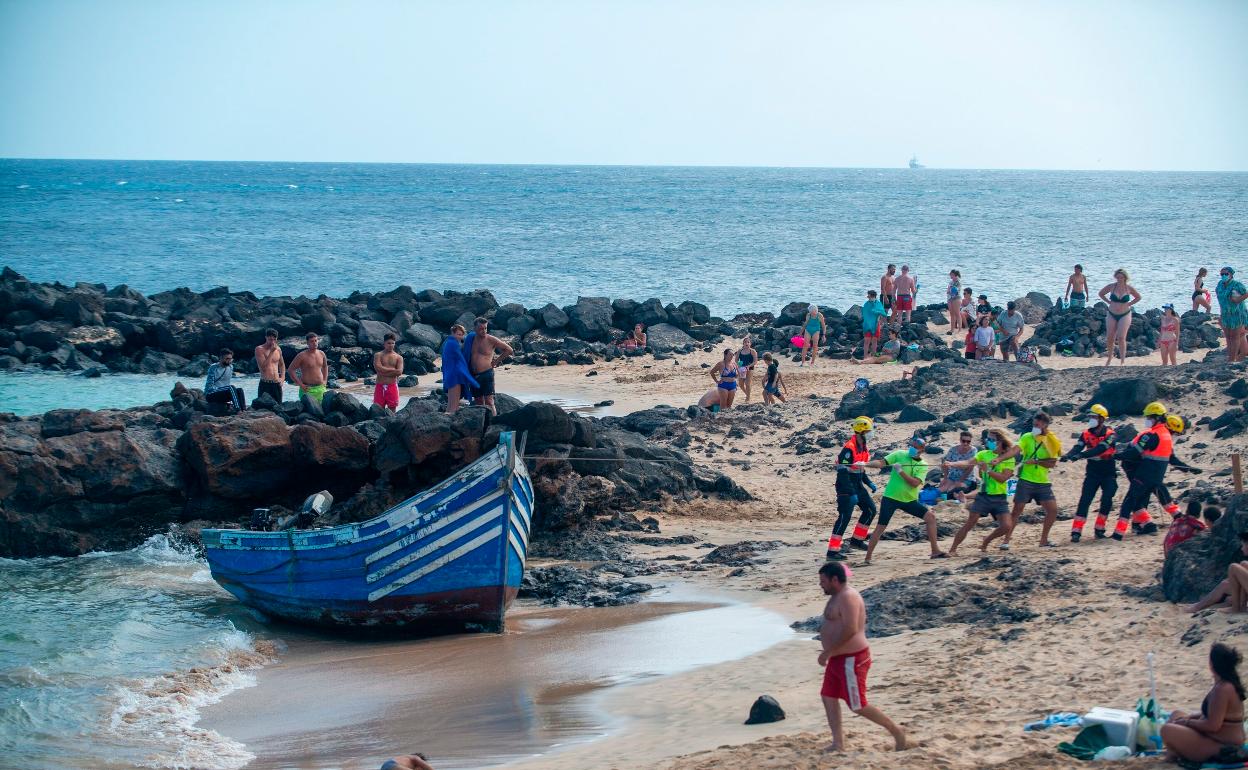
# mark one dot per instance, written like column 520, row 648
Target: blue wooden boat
column 450, row 558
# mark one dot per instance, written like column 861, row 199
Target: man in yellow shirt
column 1038, row 451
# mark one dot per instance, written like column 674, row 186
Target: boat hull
column 449, row 558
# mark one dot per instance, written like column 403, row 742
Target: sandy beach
column 964, row 691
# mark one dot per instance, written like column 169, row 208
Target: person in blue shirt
column 873, row 315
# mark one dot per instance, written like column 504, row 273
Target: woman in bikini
column 1200, row 295
column 1121, row 296
column 1168, row 342
column 635, row 340
column 812, row 330
column 1220, row 725
column 747, row 357
column 724, row 374
column 953, row 301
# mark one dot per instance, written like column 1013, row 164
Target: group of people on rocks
column 1002, row 463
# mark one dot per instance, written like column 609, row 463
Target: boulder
column 371, row 334
column 158, row 362
column 238, row 458
column 650, row 313
column 765, row 709
column 1195, row 566
column 696, row 312
column 444, row 311
column 663, row 337
column 329, row 448
column 80, row 308
column 95, row 340
column 591, row 318
column 1034, row 307
column 45, row 335
column 63, row 422
column 119, row 465
column 520, row 325
column 506, row 314
column 552, row 317
column 544, row 422
column 1125, row 396
column 913, row 413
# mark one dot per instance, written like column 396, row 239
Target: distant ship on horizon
column 914, row 162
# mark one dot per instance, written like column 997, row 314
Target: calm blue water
column 735, row 238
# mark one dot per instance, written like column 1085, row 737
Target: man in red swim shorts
column 906, row 288
column 846, row 657
column 389, row 367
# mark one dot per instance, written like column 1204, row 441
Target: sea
column 108, row 659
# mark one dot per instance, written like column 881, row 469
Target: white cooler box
column 1120, row 725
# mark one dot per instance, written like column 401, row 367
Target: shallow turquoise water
column 26, row 393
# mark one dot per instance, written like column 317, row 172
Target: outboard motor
column 261, row 520
column 316, row 505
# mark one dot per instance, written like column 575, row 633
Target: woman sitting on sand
column 724, row 374
column 888, row 352
column 1121, row 296
column 1220, row 726
column 635, row 340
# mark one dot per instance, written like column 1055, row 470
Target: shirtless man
column 906, row 289
column 888, row 291
column 271, row 365
column 310, row 370
column 1077, row 289
column 487, row 351
column 389, row 368
column 846, row 657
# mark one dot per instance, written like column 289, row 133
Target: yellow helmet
column 862, row 424
column 1175, row 424
column 1155, row 409
column 1100, row 411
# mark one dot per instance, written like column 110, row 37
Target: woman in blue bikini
column 724, row 374
column 1121, row 296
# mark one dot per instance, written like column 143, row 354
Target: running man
column 851, row 489
column 310, row 369
column 1040, row 450
column 389, row 368
column 906, row 291
column 1095, row 445
column 271, row 365
column 873, row 315
column 888, row 290
column 1076, row 296
column 485, row 352
column 996, row 468
column 902, row 493
column 846, row 658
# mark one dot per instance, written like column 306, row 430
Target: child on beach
column 773, row 387
column 1184, row 527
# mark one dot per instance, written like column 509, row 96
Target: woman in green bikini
column 1121, row 296
column 812, row 330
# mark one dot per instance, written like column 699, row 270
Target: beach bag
column 1148, row 729
column 1026, row 355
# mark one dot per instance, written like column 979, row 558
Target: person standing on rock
column 873, row 315
column 1168, row 341
column 485, row 351
column 218, row 388
column 888, row 290
column 1076, row 297
column 906, row 293
column 953, row 301
column 271, row 365
column 1096, row 446
column 1040, row 450
column 1012, row 325
column 851, row 489
column 1234, row 317
column 457, row 381
column 1150, row 454
column 996, row 468
column 1120, row 296
column 389, row 367
column 902, row 493
column 846, row 658
column 310, row 369
column 1200, row 295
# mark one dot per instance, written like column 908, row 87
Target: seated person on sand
column 635, row 340
column 407, row 762
column 1217, row 732
column 724, row 374
column 1235, row 586
column 889, row 351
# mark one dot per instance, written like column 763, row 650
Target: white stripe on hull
column 433, row 547
column 426, row 531
column 437, row 563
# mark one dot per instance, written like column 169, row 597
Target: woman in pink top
column 1168, row 342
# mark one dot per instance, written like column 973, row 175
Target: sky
column 1087, row 84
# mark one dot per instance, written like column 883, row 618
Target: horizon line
column 631, row 165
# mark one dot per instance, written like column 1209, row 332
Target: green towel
column 1087, row 743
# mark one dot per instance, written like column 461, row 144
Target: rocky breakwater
column 72, row 481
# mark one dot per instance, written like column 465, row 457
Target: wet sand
column 480, row 700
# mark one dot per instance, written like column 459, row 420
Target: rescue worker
column 1145, row 460
column 852, row 490
column 1096, row 446
column 1177, row 426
